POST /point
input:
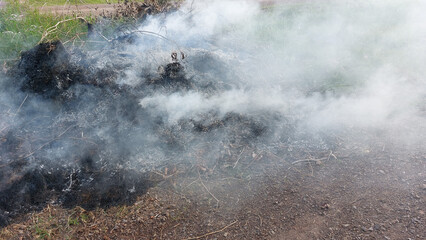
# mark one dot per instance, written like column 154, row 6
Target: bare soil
column 356, row 192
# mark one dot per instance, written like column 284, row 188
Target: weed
column 41, row 233
column 73, row 221
column 122, row 211
column 84, row 217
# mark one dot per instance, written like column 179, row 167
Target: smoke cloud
column 333, row 64
column 243, row 75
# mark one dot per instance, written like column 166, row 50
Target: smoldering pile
column 78, row 136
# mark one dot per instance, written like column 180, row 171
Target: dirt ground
column 356, row 192
column 89, row 9
column 108, row 9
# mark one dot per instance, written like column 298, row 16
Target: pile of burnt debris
column 78, row 135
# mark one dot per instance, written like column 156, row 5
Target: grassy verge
column 70, row 2
column 21, row 27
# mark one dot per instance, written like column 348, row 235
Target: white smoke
column 277, row 78
column 334, row 63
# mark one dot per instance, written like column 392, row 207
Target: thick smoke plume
column 332, row 64
column 239, row 75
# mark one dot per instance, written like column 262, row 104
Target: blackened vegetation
column 83, row 139
column 89, row 189
column 47, row 69
column 105, row 188
column 172, row 78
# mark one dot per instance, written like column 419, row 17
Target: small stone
column 367, row 229
column 325, row 206
column 345, row 225
column 377, row 227
column 415, row 220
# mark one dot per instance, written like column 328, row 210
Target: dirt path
column 89, row 9
column 106, row 9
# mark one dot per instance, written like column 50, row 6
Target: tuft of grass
column 84, row 217
column 73, row 221
column 41, row 233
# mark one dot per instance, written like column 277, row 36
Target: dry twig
column 54, row 28
column 308, row 160
column 211, row 233
column 211, row 194
column 49, row 142
column 20, row 106
column 239, row 157
column 331, row 155
column 318, row 161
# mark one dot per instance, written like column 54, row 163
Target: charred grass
column 277, row 198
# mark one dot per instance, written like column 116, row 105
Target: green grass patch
column 22, row 27
column 41, row 233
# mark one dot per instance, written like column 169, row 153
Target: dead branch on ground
column 214, row 232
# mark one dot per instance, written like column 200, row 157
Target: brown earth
column 109, row 9
column 358, row 191
column 86, row 9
